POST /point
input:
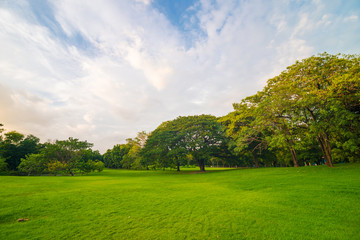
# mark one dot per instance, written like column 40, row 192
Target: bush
column 57, row 167
column 90, row 166
column 99, row 166
column 33, row 164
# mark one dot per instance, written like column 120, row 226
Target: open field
column 269, row 203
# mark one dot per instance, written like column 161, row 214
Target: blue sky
column 103, row 70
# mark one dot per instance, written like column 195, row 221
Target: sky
column 104, row 70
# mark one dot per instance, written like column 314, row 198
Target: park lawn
column 267, row 203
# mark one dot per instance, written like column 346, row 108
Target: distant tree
column 199, row 136
column 163, row 147
column 89, row 161
column 113, row 157
column 13, row 137
column 132, row 160
column 16, row 146
column 66, row 154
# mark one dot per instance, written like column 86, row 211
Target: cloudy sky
column 103, row 70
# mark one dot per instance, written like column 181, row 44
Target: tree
column 33, row 164
column 16, row 146
column 163, row 147
column 133, row 158
column 13, row 137
column 10, row 149
column 314, row 99
column 198, row 136
column 113, row 158
column 321, row 95
column 242, row 126
column 66, row 154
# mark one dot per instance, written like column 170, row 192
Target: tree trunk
column 324, row 142
column 256, row 160
column 201, row 165
column 325, row 148
column 294, row 157
column 178, row 167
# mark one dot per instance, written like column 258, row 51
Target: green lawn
column 272, row 203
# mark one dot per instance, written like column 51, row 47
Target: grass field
column 268, row 203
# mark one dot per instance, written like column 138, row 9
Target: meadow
column 267, row 203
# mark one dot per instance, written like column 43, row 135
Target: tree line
column 21, row 155
column 307, row 115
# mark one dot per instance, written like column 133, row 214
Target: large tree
column 164, row 146
column 317, row 98
column 321, row 95
column 200, row 136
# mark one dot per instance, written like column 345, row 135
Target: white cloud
column 146, row 2
column 352, row 18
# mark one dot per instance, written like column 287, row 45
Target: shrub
column 99, row 166
column 57, row 167
column 33, row 164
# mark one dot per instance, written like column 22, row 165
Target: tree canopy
column 316, row 99
column 200, row 136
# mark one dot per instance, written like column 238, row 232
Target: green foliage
column 127, row 155
column 199, row 136
column 33, row 164
column 315, row 99
column 3, row 165
column 324, row 90
column 57, row 167
column 27, row 155
column 98, row 166
column 13, row 137
column 90, row 166
column 63, row 157
column 248, row 135
column 113, row 158
column 132, row 159
column 16, row 146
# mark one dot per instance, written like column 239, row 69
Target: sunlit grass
column 272, row 203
